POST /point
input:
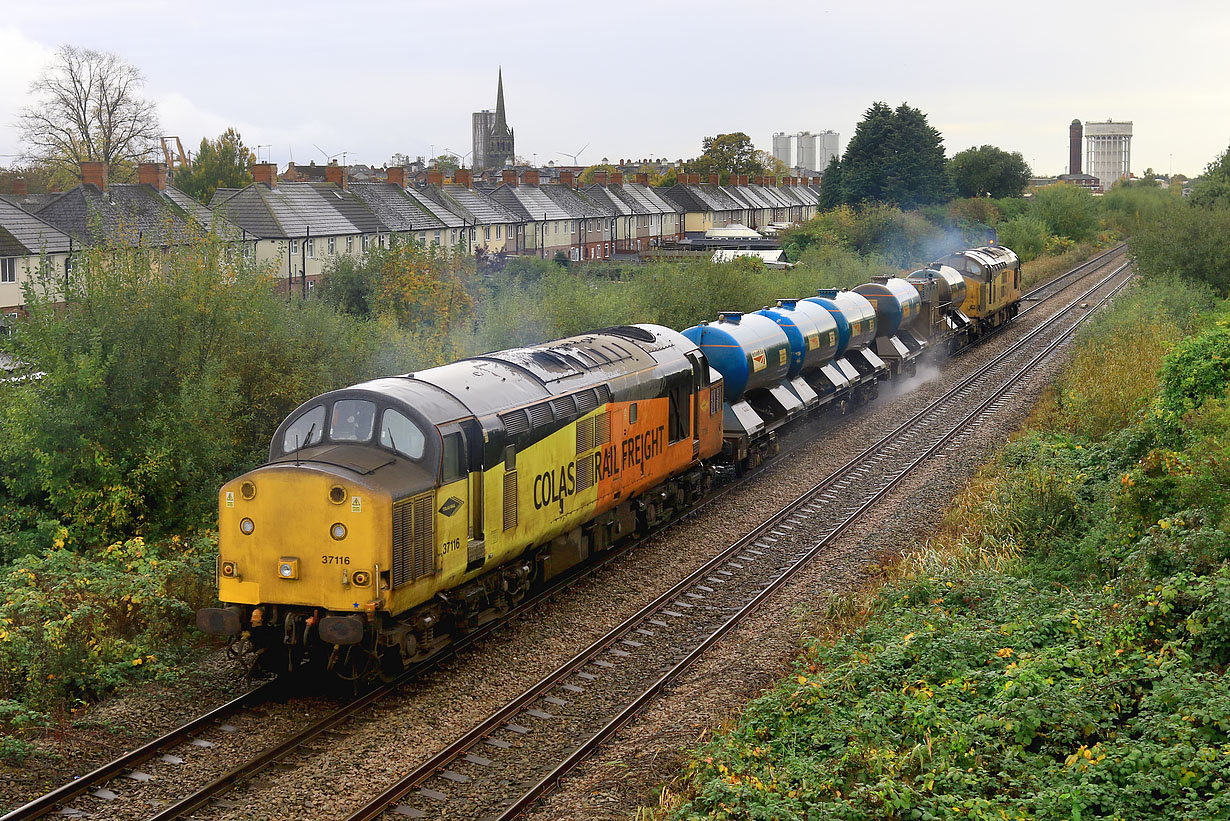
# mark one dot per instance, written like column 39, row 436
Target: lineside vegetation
column 167, row 371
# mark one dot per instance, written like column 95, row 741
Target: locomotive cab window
column 452, row 466
column 401, row 434
column 353, row 420
column 305, row 431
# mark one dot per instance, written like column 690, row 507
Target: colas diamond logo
column 451, row 506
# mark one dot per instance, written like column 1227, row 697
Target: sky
column 639, row 78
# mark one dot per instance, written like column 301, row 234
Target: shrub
column 75, row 625
column 1024, row 234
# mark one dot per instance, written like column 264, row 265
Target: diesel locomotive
column 398, row 513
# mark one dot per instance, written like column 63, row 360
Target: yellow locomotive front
column 307, row 541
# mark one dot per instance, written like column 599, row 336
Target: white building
column 806, row 156
column 1108, row 151
column 781, row 148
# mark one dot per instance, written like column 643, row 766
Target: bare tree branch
column 89, row 108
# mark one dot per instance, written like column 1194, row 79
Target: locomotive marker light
column 246, row 525
column 288, row 568
column 228, row 570
column 361, row 578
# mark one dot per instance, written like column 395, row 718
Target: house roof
column 297, row 209
column 395, row 207
column 530, row 203
column 651, row 198
column 476, row 205
column 24, row 234
column 612, row 198
column 127, row 214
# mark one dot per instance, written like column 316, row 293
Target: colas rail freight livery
column 398, row 513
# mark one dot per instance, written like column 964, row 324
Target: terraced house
column 558, row 218
column 643, row 219
column 30, row 249
column 296, row 227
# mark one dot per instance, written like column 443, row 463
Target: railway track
column 496, row 769
column 127, row 769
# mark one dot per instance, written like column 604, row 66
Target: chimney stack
column 397, row 175
column 95, row 174
column 153, row 173
column 1076, row 135
column 21, row 188
column 435, row 177
column 567, row 178
column 509, row 177
column 463, row 176
column 265, row 172
column 600, row 177
column 337, row 175
column 617, row 178
column 529, row 177
column 642, row 178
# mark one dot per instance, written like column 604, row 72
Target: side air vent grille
column 564, row 407
column 585, row 473
column 516, row 422
column 604, row 394
column 602, row 429
column 540, row 415
column 510, row 500
column 586, row 401
column 585, row 435
column 413, row 540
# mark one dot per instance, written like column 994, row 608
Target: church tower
column 500, row 148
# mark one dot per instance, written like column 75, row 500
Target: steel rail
column 497, row 719
column 126, row 762
column 532, row 795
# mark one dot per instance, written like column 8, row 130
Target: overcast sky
column 634, row 78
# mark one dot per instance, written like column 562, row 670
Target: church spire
column 500, row 124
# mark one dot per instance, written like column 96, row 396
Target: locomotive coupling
column 218, row 621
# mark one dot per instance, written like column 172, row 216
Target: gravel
column 342, row 769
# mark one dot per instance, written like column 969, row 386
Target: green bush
column 75, row 625
column 1068, row 210
column 164, row 376
column 1024, row 234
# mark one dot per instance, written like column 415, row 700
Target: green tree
column 832, row 193
column 162, row 373
column 988, row 171
column 1068, row 210
column 587, row 176
column 1213, row 189
column 446, row 163
column 222, row 163
column 1185, row 240
column 727, row 154
column 895, row 156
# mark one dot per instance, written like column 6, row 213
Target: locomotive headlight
column 247, row 526
column 288, row 568
column 361, row 578
column 338, row 531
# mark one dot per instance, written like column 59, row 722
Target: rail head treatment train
column 395, row 514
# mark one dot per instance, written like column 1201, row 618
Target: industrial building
column 806, row 152
column 1108, row 151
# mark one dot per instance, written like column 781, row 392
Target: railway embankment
column 1058, row 647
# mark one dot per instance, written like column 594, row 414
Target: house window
column 363, row 242
column 332, row 246
column 487, row 233
column 310, row 247
column 249, row 251
column 350, row 245
column 437, row 238
column 557, row 227
column 294, row 247
column 8, row 270
column 380, row 240
column 423, row 237
column 452, row 237
column 497, row 231
column 311, row 285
